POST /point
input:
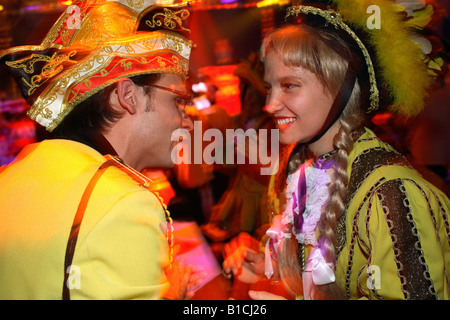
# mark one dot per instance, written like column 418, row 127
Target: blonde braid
column 337, row 190
column 350, row 121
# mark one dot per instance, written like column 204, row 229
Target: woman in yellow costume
column 354, row 220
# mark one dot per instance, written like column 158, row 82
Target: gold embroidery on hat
column 50, row 94
column 107, row 22
column 65, row 35
column 55, row 31
column 164, row 65
column 173, row 65
column 50, row 69
column 137, row 5
column 27, row 63
column 53, row 66
column 60, row 28
column 172, row 19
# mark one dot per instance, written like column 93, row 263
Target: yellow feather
column 421, row 18
column 399, row 57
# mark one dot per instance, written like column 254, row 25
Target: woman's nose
column 273, row 105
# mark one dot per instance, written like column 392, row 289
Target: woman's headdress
column 399, row 61
column 93, row 46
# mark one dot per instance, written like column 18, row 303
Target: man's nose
column 187, row 123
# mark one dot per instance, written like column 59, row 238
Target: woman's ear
column 126, row 95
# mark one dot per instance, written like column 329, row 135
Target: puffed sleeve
column 404, row 233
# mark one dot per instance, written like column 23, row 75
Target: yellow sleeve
column 403, row 235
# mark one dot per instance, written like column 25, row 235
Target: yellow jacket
column 395, row 228
column 121, row 250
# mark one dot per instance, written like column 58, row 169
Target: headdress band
column 336, row 20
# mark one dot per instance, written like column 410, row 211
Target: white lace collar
column 317, row 182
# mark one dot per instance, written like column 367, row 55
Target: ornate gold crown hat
column 95, row 45
column 400, row 62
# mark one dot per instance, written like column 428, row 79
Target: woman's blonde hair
column 327, row 56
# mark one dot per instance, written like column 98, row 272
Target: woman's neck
column 326, row 143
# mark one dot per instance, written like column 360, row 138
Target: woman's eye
column 289, row 86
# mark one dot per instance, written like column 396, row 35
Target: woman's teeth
column 285, row 121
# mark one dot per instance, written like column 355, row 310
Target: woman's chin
column 287, row 139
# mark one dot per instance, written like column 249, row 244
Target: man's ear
column 126, row 95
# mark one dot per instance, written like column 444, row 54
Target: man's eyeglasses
column 185, row 99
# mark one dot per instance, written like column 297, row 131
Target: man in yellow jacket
column 77, row 219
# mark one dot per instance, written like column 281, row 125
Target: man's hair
column 95, row 114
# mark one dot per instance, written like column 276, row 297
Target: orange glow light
column 65, row 2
